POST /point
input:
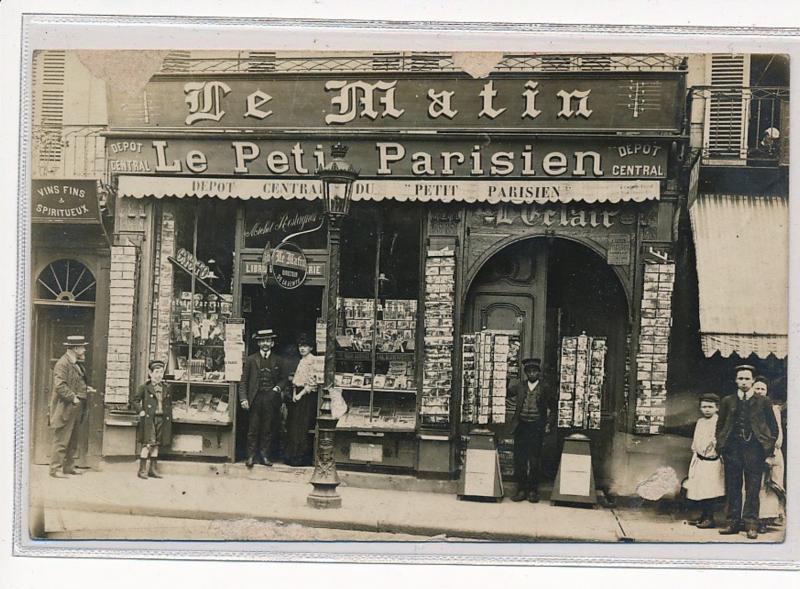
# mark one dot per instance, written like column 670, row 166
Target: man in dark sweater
column 529, row 424
column 746, row 433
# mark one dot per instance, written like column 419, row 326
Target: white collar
column 747, row 395
column 532, row 385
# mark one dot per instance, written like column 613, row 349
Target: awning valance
column 742, row 250
column 468, row 191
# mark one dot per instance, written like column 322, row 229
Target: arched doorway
column 549, row 288
column 64, row 296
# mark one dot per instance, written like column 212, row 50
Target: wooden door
column 52, row 326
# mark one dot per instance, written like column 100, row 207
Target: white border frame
column 57, row 31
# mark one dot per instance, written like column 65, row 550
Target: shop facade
column 527, row 214
column 70, row 280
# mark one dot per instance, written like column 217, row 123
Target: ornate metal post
column 325, row 478
column 337, row 178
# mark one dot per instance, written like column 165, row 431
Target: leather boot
column 152, row 472
column 142, row 474
column 731, row 528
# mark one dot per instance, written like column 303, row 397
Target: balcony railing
column 68, row 151
column 186, row 62
column 744, row 125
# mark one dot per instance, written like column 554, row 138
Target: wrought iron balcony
column 191, row 63
column 744, row 125
column 68, row 151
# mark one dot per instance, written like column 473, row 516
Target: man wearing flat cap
column 529, row 423
column 264, row 379
column 154, row 405
column 68, row 405
column 746, row 432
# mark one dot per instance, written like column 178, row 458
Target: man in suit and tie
column 264, row 379
column 746, row 433
column 529, row 424
column 67, row 405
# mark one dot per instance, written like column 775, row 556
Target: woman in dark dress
column 300, row 406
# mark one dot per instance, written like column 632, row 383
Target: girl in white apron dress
column 706, row 480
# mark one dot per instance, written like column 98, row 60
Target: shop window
column 196, row 248
column 376, row 339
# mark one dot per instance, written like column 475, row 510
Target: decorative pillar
column 325, row 478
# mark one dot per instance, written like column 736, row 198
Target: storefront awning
column 742, row 248
column 468, row 191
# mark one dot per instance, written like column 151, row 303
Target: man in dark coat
column 153, row 402
column 529, row 424
column 264, row 379
column 68, row 405
column 746, row 433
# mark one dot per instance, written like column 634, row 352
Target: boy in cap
column 264, row 379
column 68, row 405
column 154, row 405
column 706, row 480
column 529, row 424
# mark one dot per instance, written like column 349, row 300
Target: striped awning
column 464, row 191
column 742, row 250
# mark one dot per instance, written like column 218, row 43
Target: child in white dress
column 706, row 481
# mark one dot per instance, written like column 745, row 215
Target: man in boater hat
column 264, row 379
column 67, row 405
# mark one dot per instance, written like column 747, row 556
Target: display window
column 196, row 248
column 377, row 324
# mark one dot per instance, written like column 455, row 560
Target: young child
column 706, row 480
column 153, row 403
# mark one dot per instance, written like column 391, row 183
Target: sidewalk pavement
column 231, row 492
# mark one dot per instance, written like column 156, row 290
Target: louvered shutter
column 726, row 108
column 48, row 107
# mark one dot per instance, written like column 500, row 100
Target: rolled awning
column 742, row 250
column 467, row 191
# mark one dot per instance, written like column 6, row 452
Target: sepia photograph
column 407, row 296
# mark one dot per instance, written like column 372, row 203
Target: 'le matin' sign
column 64, row 201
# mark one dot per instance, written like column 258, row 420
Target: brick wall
column 120, row 326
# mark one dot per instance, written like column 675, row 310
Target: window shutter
column 48, row 105
column 726, row 107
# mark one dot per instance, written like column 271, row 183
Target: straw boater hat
column 74, row 341
column 264, row 334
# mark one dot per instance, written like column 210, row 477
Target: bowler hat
column 532, row 362
column 75, row 341
column 264, row 334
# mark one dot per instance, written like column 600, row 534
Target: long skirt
column 298, row 422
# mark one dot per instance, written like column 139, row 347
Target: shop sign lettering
column 566, row 102
column 509, row 158
column 186, row 259
column 64, row 201
column 289, row 265
column 563, row 216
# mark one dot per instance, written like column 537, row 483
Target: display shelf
column 200, row 421
column 378, row 428
column 203, row 383
column 196, row 345
column 350, row 356
column 381, row 390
